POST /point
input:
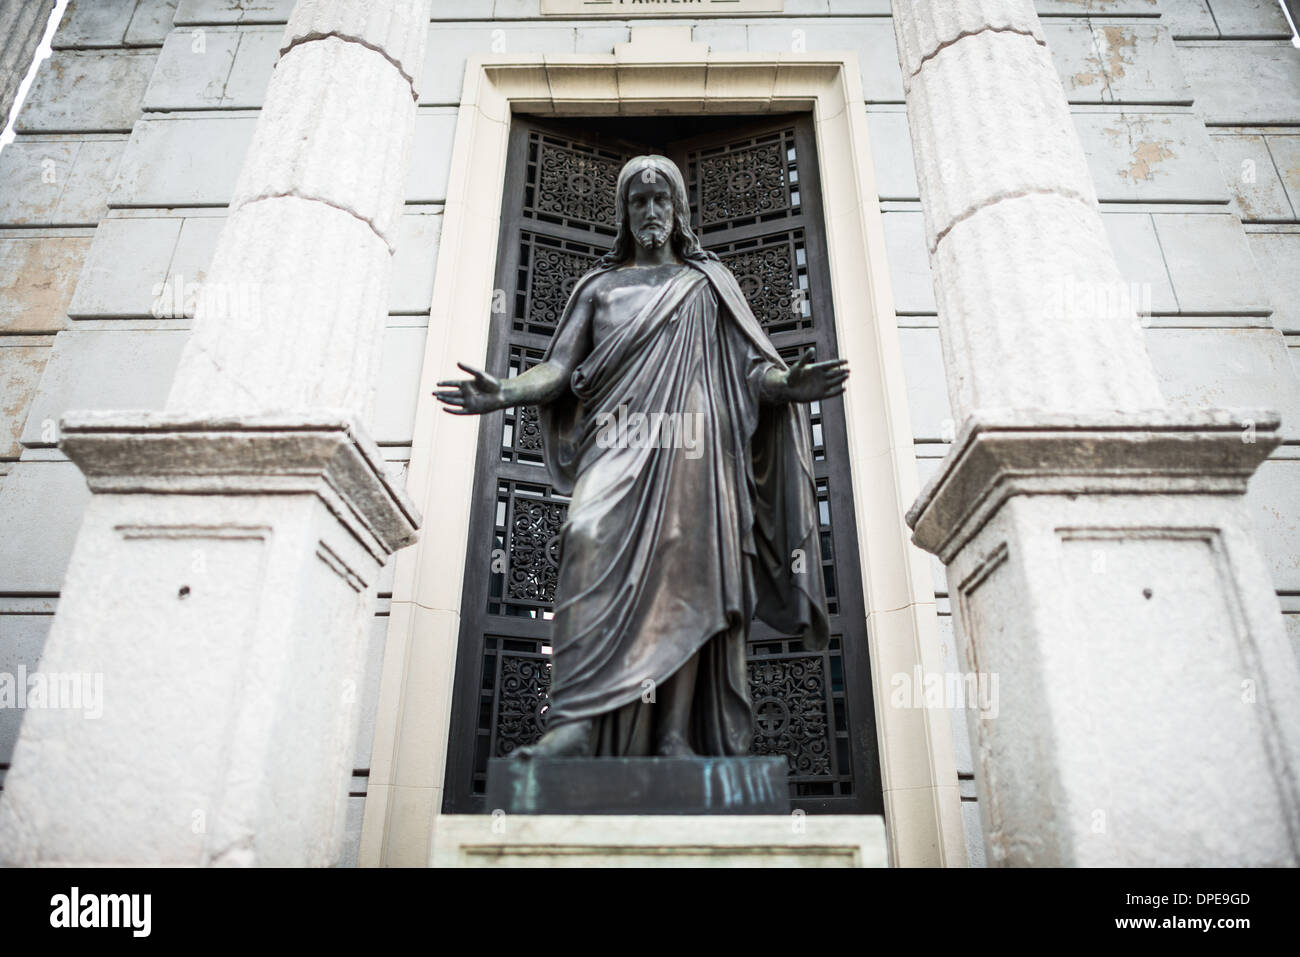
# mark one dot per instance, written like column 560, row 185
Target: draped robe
column 669, row 550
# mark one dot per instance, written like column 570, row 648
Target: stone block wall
column 54, row 182
column 113, row 194
column 1245, row 74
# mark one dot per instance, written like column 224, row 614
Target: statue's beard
column 652, row 237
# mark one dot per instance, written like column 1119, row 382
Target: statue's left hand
column 808, row 381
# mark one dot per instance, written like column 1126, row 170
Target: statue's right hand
column 470, row 396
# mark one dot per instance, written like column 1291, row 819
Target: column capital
column 321, row 452
column 1001, row 453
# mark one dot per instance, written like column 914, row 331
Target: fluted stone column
column 1100, row 559
column 223, row 579
column 22, row 24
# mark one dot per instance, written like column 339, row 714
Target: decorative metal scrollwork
column 521, row 430
column 534, row 543
column 530, row 429
column 790, row 712
column 523, row 697
column 743, row 182
column 549, row 271
column 572, row 184
column 766, row 276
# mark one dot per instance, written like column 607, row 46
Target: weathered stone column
column 22, row 24
column 223, row 578
column 1100, row 560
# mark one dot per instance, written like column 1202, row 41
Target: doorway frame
column 660, row 72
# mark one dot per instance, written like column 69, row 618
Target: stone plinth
column 564, row 840
column 693, row 785
column 228, row 665
column 1105, row 580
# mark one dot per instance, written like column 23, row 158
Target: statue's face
column 650, row 209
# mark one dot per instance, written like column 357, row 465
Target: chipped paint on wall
column 1147, row 148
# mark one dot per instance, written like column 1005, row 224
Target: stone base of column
column 218, row 595
column 1109, row 564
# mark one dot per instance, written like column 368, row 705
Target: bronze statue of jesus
column 683, row 439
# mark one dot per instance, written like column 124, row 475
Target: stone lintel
column 1001, row 453
column 322, row 452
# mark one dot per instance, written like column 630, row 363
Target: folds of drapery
column 679, row 540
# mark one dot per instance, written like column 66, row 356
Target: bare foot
column 571, row 740
column 673, row 745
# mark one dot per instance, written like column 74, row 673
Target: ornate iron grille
column 744, row 181
column 772, row 272
column 548, row 269
column 521, row 433
column 519, row 695
column 569, row 182
column 800, row 711
column 525, row 555
column 754, row 202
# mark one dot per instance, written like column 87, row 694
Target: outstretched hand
column 808, row 381
column 470, row 396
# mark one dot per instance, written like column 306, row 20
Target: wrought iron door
column 755, row 201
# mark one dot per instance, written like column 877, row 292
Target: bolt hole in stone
column 1146, row 593
column 184, row 592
